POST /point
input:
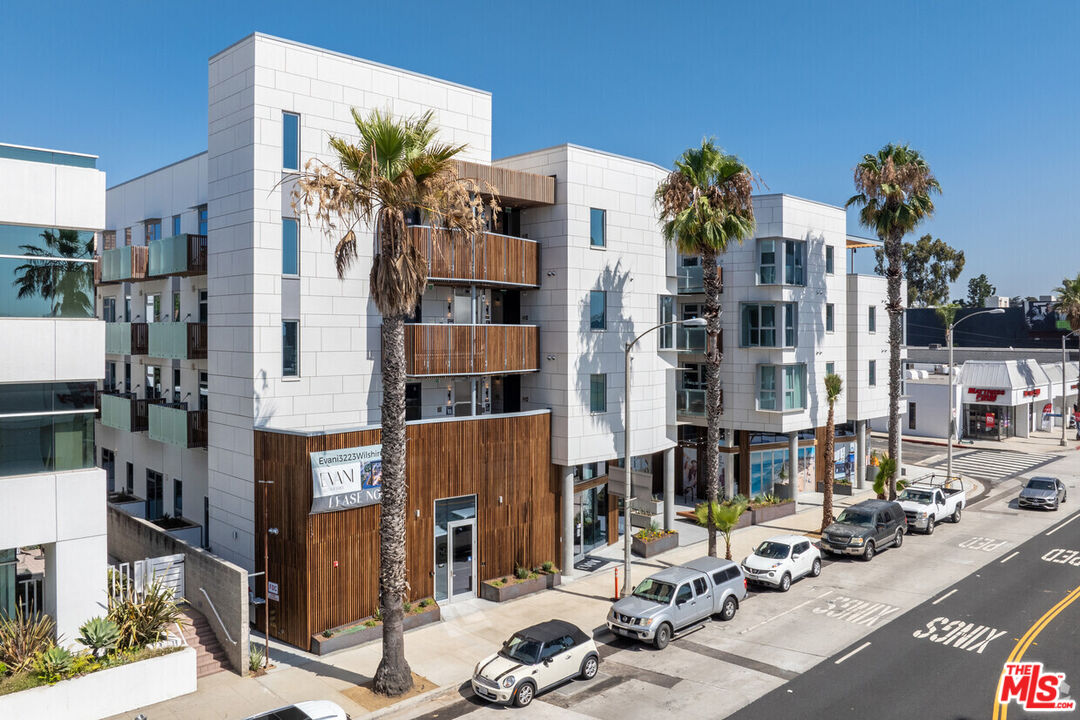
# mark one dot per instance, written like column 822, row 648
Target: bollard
column 616, row 583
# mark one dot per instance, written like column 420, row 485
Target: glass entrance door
column 461, row 568
column 590, row 521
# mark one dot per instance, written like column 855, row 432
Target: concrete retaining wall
column 107, row 692
column 132, row 539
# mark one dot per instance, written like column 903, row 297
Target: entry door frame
column 450, row 527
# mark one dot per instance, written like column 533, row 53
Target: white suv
column 781, row 559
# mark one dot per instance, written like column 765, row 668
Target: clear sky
column 988, row 91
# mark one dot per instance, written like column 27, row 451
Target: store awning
column 854, row 242
column 1021, row 380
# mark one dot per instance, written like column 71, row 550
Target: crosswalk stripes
column 995, row 465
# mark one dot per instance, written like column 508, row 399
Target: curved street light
column 952, row 373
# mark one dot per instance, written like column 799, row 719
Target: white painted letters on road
column 857, row 612
column 983, row 543
column 1061, row 556
column 959, row 634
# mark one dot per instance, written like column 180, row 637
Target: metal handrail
column 217, row 616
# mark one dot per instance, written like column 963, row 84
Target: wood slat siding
column 492, row 259
column 513, row 187
column 488, row 457
column 196, row 341
column 452, row 349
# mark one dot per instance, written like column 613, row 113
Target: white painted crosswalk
column 996, row 465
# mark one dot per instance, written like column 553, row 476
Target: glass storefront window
column 766, row 468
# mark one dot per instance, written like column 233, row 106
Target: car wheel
column 589, row 667
column 663, row 636
column 929, row 527
column 956, row 514
column 727, row 611
column 524, row 695
column 815, row 569
column 899, row 539
column 868, row 553
column 1057, row 506
column 785, row 583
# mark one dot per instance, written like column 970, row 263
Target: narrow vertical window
column 175, row 224
column 667, row 315
column 767, row 387
column 178, row 498
column 830, row 368
column 872, row 378
column 597, row 310
column 871, row 319
column 204, row 391
column 790, row 324
column 290, row 141
column 290, row 246
column 597, row 227
column 830, row 317
column 794, row 384
column 290, row 348
column 830, row 262
column 203, row 220
column 598, row 393
column 767, row 262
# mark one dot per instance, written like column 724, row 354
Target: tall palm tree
column 893, row 189
column 833, row 385
column 705, row 204
column 68, row 285
column 1068, row 303
column 395, row 168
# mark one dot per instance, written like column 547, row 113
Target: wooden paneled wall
column 326, row 565
column 440, row 349
column 514, row 187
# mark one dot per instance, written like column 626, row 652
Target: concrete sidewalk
column 1039, row 442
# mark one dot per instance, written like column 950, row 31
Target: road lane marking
column 1007, row 558
column 789, row 610
column 1001, row 712
column 861, row 647
column 959, row 634
column 1076, row 515
column 944, row 596
column 1061, row 556
column 854, row 611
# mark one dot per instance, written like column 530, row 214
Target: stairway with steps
column 210, row 656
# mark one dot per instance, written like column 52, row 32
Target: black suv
column 864, row 528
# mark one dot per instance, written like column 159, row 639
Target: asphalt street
column 924, row 664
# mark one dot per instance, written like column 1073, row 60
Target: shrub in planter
column 53, row 665
column 653, row 541
column 99, row 635
column 23, row 637
column 144, row 620
column 255, row 658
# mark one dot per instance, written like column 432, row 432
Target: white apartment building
column 52, row 497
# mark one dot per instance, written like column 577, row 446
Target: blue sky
column 988, row 91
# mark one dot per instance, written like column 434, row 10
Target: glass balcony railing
column 177, row 340
column 123, row 263
column 178, row 255
column 690, row 339
column 176, row 425
column 122, row 338
column 690, row 401
column 690, row 280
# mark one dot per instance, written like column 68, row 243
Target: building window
column 830, row 262
column 759, row 325
column 203, row 220
column 153, row 230
column 794, row 387
column 204, row 315
column 767, row 387
column 830, row 368
column 667, row 315
column 109, row 383
column 108, row 239
column 830, row 317
column 175, row 224
column 872, row 379
column 597, row 310
column 792, row 380
column 129, row 480
column 911, row 416
column 290, row 141
column 152, row 391
column 176, row 385
column 155, row 492
column 177, row 498
column 597, row 227
column 794, row 262
column 46, row 427
column 153, row 307
column 290, row 246
column 176, row 307
column 290, row 348
column 767, row 262
column 108, row 309
column 204, row 391
column 127, row 236
column 46, row 272
column 871, row 319
column 598, row 393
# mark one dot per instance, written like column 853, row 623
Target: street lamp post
column 627, row 587
column 1065, row 385
column 952, row 373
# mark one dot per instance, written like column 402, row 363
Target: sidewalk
column 1039, row 442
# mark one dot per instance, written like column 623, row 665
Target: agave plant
column 146, row 619
column 52, row 665
column 99, row 635
column 22, row 637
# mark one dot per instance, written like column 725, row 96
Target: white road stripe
column 943, row 596
column 779, row 615
column 861, row 647
column 1063, row 524
column 1007, row 558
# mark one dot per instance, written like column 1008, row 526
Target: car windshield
column 772, row 550
column 856, row 517
column 920, row 496
column 650, row 589
column 1040, row 484
column 522, row 649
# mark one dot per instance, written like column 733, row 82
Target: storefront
column 1003, row 398
column 590, row 519
column 989, row 422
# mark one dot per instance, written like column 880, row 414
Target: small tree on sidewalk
column 725, row 517
column 833, row 386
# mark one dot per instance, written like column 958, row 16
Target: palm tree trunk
column 394, row 676
column 713, row 396
column 830, row 468
column 893, row 274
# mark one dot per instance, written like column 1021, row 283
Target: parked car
column 928, row 501
column 1042, row 492
column 308, row 710
column 864, row 528
column 534, row 660
column 678, row 597
column 780, row 560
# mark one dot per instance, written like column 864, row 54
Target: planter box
column 107, row 692
column 322, row 645
column 518, row 589
column 768, row 513
column 661, row 544
column 647, row 506
column 837, row 488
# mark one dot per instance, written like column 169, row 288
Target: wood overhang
column 514, row 187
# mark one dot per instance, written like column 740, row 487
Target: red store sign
column 1033, row 393
column 985, row 396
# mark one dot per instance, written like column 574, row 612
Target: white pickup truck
column 930, row 500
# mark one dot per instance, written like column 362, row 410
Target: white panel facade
column 865, row 346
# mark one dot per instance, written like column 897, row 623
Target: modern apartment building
column 52, row 502
column 791, row 315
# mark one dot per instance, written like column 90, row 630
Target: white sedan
column 309, row 710
column 780, row 560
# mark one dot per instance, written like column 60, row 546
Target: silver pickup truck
column 677, row 598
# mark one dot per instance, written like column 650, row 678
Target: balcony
column 445, row 349
column 178, row 255
column 124, row 411
column 493, row 259
column 123, row 264
column 693, row 339
column 123, row 338
column 177, row 341
column 690, row 401
column 176, row 425
column 691, row 279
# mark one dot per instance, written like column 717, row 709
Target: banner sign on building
column 346, row 479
